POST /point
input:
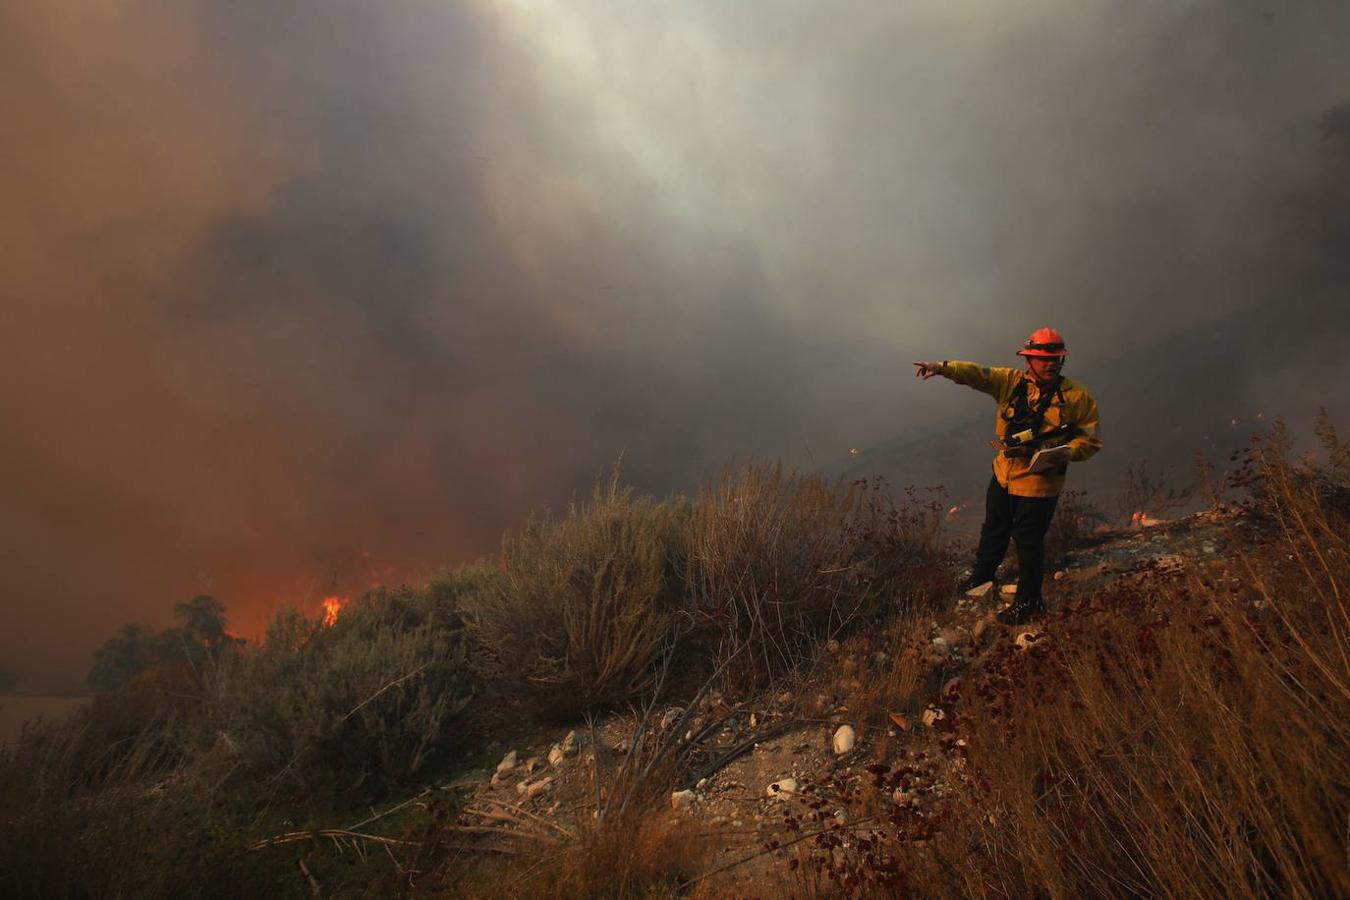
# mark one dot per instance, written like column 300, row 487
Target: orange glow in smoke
column 332, row 608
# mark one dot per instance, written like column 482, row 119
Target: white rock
column 1008, row 590
column 534, row 762
column 1027, row 639
column 538, row 787
column 682, row 799
column 932, row 715
column 569, row 744
column 508, row 763
column 1061, row 575
column 702, row 783
column 844, row 739
column 556, row 756
column 754, row 720
column 782, row 788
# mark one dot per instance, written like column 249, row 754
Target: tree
column 201, row 637
column 122, row 657
column 203, row 621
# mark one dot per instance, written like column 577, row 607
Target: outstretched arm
column 996, row 382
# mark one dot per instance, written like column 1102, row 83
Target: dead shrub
column 778, row 563
column 585, row 605
column 1146, row 490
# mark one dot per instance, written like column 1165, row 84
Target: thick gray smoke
column 309, row 295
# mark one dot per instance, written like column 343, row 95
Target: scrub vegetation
column 1175, row 733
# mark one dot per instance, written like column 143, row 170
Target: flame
column 1142, row 519
column 854, row 451
column 332, row 608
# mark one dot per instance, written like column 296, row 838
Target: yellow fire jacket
column 1078, row 408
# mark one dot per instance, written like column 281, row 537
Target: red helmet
column 1044, row 342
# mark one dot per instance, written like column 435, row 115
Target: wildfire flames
column 332, row 608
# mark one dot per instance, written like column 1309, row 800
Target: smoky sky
column 304, row 297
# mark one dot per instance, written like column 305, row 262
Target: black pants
column 1023, row 519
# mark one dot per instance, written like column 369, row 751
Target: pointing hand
column 927, row 370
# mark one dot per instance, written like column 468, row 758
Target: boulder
column 507, row 764
column 932, row 716
column 682, row 799
column 782, row 788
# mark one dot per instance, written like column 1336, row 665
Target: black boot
column 1021, row 612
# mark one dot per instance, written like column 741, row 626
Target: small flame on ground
column 854, row 451
column 332, row 608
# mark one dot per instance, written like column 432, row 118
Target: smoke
column 302, row 297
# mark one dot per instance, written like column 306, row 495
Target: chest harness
column 1022, row 434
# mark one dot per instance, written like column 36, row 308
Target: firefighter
column 1038, row 410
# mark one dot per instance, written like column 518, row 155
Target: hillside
column 772, row 688
column 766, row 766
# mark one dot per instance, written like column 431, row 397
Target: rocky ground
column 798, row 759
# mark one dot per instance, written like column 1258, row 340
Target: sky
column 304, row 297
